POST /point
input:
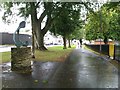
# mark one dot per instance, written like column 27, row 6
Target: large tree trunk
column 80, row 40
column 36, row 29
column 64, row 41
column 33, row 24
column 36, row 24
column 69, row 44
column 106, row 40
column 40, row 39
column 33, row 45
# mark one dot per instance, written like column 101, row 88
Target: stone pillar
column 21, row 60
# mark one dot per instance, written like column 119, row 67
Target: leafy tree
column 79, row 32
column 114, row 27
column 111, row 5
column 66, row 22
column 109, row 23
column 50, row 11
column 93, row 29
column 114, row 19
column 33, row 9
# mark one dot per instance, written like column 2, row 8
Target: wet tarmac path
column 82, row 69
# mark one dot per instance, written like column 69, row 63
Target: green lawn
column 5, row 57
column 56, row 53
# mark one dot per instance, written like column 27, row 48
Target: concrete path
column 5, row 48
column 82, row 69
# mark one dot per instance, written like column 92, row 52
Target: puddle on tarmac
column 6, row 67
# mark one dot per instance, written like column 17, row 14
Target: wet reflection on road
column 82, row 69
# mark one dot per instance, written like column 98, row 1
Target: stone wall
column 21, row 59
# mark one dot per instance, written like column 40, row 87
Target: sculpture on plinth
column 16, row 38
column 20, row 56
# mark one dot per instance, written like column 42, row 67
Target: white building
column 50, row 39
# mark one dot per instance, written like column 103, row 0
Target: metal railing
column 107, row 51
column 117, row 52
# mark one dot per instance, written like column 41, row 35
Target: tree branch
column 88, row 8
column 37, row 4
column 33, row 11
column 47, row 25
column 50, row 21
column 42, row 16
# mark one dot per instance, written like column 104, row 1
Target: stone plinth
column 21, row 59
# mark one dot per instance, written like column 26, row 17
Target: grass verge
column 56, row 53
column 5, row 57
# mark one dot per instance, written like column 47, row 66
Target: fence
column 107, row 50
column 104, row 48
column 117, row 52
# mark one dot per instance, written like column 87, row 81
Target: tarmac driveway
column 82, row 69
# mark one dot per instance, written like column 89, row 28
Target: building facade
column 7, row 38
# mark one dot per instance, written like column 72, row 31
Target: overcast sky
column 15, row 22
